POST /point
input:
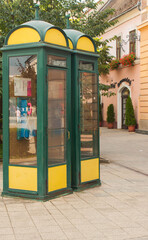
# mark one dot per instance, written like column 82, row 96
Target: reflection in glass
column 83, row 65
column 56, row 61
column 89, row 115
column 56, row 116
column 23, row 110
column 125, row 93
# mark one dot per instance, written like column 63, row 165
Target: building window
column 118, row 47
column 132, row 41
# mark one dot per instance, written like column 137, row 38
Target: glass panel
column 56, row 116
column 23, row 110
column 125, row 92
column 56, row 61
column 132, row 41
column 56, row 137
column 118, row 47
column 56, row 155
column 86, row 66
column 89, row 115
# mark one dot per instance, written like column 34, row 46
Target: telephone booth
column 85, row 110
column 36, row 111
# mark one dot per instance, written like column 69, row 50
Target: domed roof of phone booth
column 37, row 31
column 80, row 41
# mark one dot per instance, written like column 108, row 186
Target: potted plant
column 114, row 64
column 130, row 120
column 110, row 116
column 128, row 60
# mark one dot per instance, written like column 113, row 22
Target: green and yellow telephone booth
column 36, row 111
column 85, row 110
column 50, row 111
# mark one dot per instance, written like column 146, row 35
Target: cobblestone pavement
column 127, row 149
column 116, row 210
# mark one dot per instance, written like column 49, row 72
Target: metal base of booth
column 87, row 185
column 52, row 195
column 37, row 197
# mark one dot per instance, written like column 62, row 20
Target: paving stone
column 116, row 210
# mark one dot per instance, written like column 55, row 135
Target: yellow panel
column 89, row 170
column 70, row 44
column 54, row 36
column 24, row 35
column 57, row 178
column 85, row 44
column 23, row 178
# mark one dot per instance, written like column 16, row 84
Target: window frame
column 118, row 48
column 132, row 41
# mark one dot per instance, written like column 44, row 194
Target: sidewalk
column 129, row 149
column 117, row 210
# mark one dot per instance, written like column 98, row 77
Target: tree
column 110, row 114
column 129, row 114
column 16, row 12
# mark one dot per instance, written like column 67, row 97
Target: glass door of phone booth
column 88, row 115
column 88, row 122
column 58, row 127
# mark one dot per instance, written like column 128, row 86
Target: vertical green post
column 68, row 23
column 37, row 11
column 41, row 124
column 5, row 64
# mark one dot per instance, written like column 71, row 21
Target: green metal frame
column 76, row 156
column 68, row 112
column 41, row 50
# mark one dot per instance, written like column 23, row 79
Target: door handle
column 68, row 134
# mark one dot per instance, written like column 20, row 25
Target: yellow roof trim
column 70, row 44
column 24, row 35
column 55, row 36
column 85, row 44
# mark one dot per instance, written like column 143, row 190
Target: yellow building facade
column 143, row 98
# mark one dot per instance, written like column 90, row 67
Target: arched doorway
column 124, row 95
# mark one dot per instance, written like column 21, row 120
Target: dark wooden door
column 125, row 94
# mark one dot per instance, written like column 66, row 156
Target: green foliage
column 104, row 56
column 1, row 43
column 97, row 22
column 114, row 64
column 104, row 90
column 110, row 114
column 104, row 60
column 13, row 13
column 16, row 12
column 129, row 114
